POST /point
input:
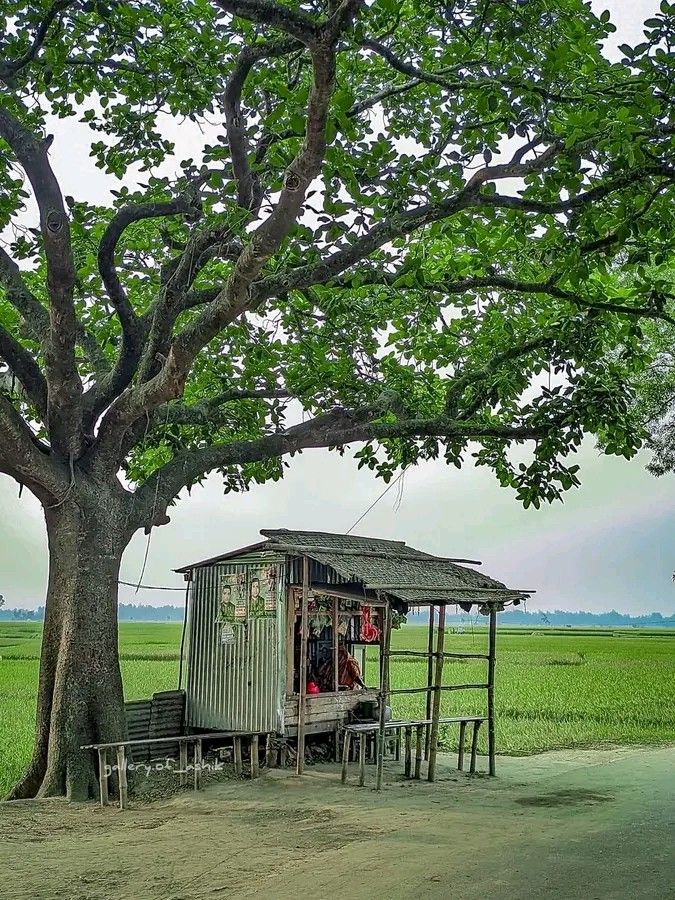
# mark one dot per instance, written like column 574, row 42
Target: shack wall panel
column 234, row 686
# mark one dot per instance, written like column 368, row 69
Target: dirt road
column 583, row 825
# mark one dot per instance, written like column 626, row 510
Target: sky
column 608, row 546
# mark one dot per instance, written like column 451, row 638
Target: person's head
column 255, row 588
column 227, row 593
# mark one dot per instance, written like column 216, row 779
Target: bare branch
column 22, row 457
column 265, row 12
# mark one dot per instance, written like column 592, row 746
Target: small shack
column 276, row 630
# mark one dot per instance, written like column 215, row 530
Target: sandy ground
column 588, row 825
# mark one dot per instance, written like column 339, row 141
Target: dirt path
column 584, row 825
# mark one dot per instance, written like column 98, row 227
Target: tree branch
column 336, row 428
column 26, row 370
column 65, row 386
column 22, row 458
column 11, row 68
column 299, row 25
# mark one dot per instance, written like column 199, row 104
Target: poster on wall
column 232, row 600
column 262, row 592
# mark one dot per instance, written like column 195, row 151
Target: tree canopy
column 407, row 225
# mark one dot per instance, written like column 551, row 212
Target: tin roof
column 391, row 567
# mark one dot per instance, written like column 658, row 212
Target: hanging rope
column 377, row 500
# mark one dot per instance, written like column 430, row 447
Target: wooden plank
column 183, row 762
column 363, row 738
column 408, row 752
column 474, row 746
column 302, row 700
column 198, row 764
column 460, row 752
column 238, row 767
column 384, row 694
column 122, row 776
column 419, row 750
column 430, row 675
column 103, row 775
column 436, row 705
column 255, row 756
column 492, row 641
column 345, row 755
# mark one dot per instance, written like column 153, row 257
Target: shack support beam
column 302, row 686
column 491, row 688
column 384, row 692
column 430, row 675
column 436, row 705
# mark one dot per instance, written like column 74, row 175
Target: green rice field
column 555, row 688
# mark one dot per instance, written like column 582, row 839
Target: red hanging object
column 369, row 632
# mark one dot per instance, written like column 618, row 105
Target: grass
column 555, row 688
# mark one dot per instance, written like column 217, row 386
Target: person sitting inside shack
column 349, row 673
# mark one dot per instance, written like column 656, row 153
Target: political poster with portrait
column 262, row 592
column 232, row 601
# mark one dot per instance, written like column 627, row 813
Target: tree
column 400, row 229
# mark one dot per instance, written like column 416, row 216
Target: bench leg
column 474, row 746
column 238, row 767
column 122, row 776
column 345, row 755
column 397, row 745
column 103, row 775
column 255, row 758
column 198, row 764
column 362, row 759
column 408, row 752
column 419, row 748
column 182, row 762
column 460, row 752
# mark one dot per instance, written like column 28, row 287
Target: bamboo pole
column 408, row 751
column 182, row 762
column 302, row 686
column 345, row 754
column 238, row 766
column 198, row 764
column 436, row 705
column 103, row 775
column 362, row 759
column 122, row 776
column 430, row 673
column 255, row 755
column 491, row 689
column 462, row 739
column 290, row 642
column 336, row 683
column 474, row 746
column 419, row 746
column 384, row 692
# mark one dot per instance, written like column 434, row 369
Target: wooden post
column 408, row 751
column 238, row 766
column 430, row 676
column 474, row 746
column 419, row 741
column 460, row 752
column 290, row 644
column 122, row 776
column 384, row 691
column 302, row 685
column 182, row 762
column 491, row 688
column 336, row 682
column 255, row 756
column 362, row 758
column 103, row 775
column 363, row 664
column 198, row 764
column 345, row 754
column 436, row 706
column 270, row 753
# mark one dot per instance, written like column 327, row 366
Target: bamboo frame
column 384, row 692
column 492, row 640
column 302, row 686
column 430, row 650
column 436, row 705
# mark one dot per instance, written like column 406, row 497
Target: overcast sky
column 608, row 546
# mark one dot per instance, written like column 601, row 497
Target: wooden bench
column 183, row 740
column 364, row 729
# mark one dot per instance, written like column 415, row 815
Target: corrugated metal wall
column 236, row 686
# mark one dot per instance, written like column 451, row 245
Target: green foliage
column 489, row 319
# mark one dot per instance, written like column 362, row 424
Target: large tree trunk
column 80, row 698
